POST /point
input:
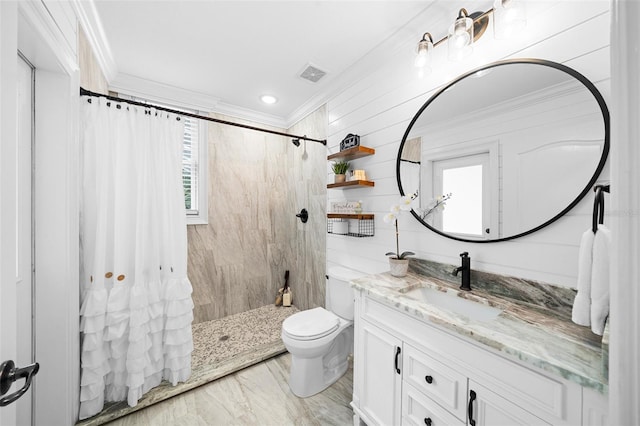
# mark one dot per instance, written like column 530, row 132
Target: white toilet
column 321, row 340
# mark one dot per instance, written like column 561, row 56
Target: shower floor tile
column 220, row 347
column 217, row 340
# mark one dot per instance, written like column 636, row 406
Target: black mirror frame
column 605, row 152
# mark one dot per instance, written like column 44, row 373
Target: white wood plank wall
column 379, row 106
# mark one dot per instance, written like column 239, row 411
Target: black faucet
column 466, row 271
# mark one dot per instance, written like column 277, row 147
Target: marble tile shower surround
column 257, row 184
column 309, row 174
column 221, row 347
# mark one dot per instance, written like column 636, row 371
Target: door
column 17, row 323
column 468, row 211
column 381, row 372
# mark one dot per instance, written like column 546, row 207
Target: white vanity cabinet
column 409, row 372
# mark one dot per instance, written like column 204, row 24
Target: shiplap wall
column 379, row 106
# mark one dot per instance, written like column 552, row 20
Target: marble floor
column 257, row 395
column 221, row 347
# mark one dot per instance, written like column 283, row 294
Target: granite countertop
column 530, row 331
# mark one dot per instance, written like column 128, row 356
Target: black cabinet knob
column 427, row 421
column 429, row 379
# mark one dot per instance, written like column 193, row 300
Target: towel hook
column 598, row 206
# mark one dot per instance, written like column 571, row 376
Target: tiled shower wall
column 309, row 173
column 257, row 184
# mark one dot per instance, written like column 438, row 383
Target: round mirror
column 504, row 150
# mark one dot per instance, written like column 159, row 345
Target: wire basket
column 351, row 227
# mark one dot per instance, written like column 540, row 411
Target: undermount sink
column 475, row 311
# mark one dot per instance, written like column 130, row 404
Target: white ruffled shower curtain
column 136, row 307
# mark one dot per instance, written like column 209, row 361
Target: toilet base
column 309, row 376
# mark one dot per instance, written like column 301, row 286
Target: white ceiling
column 232, row 52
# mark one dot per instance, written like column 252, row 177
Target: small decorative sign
column 346, row 207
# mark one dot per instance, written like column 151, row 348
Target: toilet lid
column 311, row 324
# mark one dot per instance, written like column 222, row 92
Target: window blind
column 190, row 165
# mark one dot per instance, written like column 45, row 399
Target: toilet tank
column 339, row 292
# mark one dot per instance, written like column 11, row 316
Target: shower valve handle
column 303, row 215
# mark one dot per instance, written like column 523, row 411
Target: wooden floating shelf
column 352, row 153
column 351, row 184
column 359, row 216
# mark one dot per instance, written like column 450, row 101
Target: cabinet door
column 381, row 359
column 488, row 408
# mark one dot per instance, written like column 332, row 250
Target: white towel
column 600, row 280
column 582, row 303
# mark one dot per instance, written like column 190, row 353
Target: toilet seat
column 311, row 324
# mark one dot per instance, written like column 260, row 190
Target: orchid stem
column 397, row 243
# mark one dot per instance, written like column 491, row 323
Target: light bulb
column 421, row 60
column 424, row 51
column 460, row 38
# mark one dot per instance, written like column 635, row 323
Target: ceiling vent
column 312, row 73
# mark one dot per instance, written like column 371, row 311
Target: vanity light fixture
column 508, row 18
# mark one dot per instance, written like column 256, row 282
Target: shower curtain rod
column 296, row 138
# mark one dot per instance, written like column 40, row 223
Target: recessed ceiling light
column 268, row 99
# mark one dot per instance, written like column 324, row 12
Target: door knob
column 9, row 374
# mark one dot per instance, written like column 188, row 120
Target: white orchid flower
column 390, row 217
column 395, row 209
column 406, row 203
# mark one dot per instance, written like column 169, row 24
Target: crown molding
column 155, row 91
column 89, row 19
column 251, row 115
column 160, row 92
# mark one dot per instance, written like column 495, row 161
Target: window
column 194, row 170
column 194, row 164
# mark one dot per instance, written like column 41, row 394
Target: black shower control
column 303, row 215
